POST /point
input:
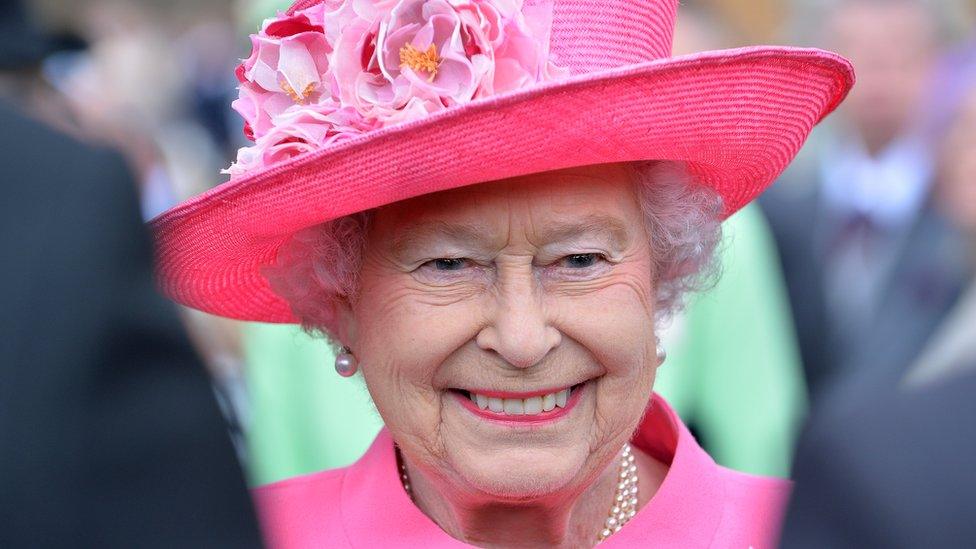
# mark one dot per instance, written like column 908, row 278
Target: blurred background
column 856, row 267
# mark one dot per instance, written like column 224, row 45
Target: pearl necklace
column 624, row 501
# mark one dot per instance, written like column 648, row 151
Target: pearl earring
column 345, row 363
column 662, row 354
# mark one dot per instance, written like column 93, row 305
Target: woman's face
column 520, row 288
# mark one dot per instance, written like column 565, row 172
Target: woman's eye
column 581, row 261
column 447, row 264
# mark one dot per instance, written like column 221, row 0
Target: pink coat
column 699, row 504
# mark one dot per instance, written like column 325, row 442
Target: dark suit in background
column 891, row 469
column 878, row 465
column 109, row 432
column 928, row 271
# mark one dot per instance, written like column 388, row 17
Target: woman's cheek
column 616, row 326
column 408, row 339
column 414, row 331
column 613, row 320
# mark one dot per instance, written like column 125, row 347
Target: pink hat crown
column 326, row 72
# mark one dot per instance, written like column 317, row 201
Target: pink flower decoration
column 315, row 78
column 259, row 107
column 289, row 64
column 299, row 131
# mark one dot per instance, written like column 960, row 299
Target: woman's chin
column 521, row 473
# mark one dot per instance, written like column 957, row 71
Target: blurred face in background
column 957, row 182
column 892, row 44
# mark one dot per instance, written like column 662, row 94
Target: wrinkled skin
column 537, row 282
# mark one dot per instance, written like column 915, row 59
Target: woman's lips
column 534, row 407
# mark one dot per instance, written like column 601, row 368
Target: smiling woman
column 490, row 205
column 506, row 332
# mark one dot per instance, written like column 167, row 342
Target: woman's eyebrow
column 468, row 235
column 609, row 227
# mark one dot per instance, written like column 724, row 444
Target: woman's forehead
column 544, row 202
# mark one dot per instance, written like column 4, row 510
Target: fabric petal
column 297, row 66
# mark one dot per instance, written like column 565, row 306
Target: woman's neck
column 562, row 520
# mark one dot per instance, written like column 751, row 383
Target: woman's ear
column 346, row 326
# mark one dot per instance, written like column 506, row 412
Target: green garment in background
column 303, row 417
column 733, row 371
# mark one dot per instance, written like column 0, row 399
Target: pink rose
column 289, row 65
column 298, row 131
column 522, row 51
column 426, row 47
column 258, row 107
column 434, row 54
column 414, row 56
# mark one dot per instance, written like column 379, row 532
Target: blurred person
column 112, row 437
column 890, row 468
column 138, row 89
column 132, row 89
column 871, row 266
column 734, row 373
column 208, row 51
column 22, row 48
column 954, row 77
column 491, row 221
column 954, row 342
column 111, row 434
column 174, row 137
column 887, row 461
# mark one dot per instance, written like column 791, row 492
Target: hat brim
column 736, row 117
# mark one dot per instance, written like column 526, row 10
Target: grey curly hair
column 318, row 268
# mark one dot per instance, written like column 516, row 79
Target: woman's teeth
column 522, row 406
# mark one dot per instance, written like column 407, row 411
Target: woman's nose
column 519, row 330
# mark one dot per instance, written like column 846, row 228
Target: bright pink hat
column 356, row 104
